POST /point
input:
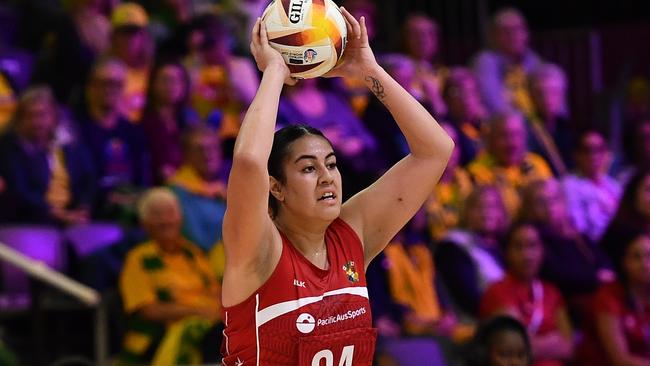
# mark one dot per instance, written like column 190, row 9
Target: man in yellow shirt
column 507, row 162
column 169, row 293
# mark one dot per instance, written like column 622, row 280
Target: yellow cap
column 129, row 14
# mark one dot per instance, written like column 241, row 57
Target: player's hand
column 266, row 56
column 358, row 56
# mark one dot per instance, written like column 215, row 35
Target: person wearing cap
column 132, row 44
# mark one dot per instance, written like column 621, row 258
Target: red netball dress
column 304, row 315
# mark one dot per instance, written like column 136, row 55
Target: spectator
column 500, row 341
column 468, row 259
column 537, row 304
column 199, row 186
column 132, row 44
column 572, row 262
column 406, row 297
column 213, row 67
column 551, row 134
column 405, row 289
column 444, row 206
column 618, row 333
column 47, row 181
column 422, row 43
column 633, row 211
column 465, row 111
column 507, row 161
column 80, row 37
column 118, row 148
column 592, row 195
column 328, row 112
column 504, row 68
column 166, row 114
column 169, row 293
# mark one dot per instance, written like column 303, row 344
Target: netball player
column 294, row 290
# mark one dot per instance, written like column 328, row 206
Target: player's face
column 312, row 186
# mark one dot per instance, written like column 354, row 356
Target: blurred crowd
column 116, row 134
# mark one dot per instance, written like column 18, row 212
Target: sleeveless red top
column 304, row 315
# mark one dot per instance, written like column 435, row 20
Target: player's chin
column 330, row 213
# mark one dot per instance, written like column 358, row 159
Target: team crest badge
column 309, row 55
column 351, row 271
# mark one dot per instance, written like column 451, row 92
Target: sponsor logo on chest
column 306, row 323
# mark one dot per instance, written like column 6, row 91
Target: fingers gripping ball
column 310, row 34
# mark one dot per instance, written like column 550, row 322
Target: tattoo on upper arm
column 376, row 87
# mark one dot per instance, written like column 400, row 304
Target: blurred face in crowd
column 511, row 34
column 592, row 156
column 106, row 87
column 487, row 214
column 508, row 349
column 549, row 96
column 508, row 141
column 525, row 252
column 204, row 154
column 163, row 223
column 548, row 203
column 643, row 198
column 38, row 122
column 421, row 37
column 636, row 262
column 132, row 45
column 170, row 85
column 464, row 100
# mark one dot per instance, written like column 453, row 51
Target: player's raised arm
column 247, row 226
column 380, row 211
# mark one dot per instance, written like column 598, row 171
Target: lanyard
column 538, row 307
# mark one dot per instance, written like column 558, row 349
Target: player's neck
column 308, row 239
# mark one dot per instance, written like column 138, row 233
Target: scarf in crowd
column 411, row 281
column 187, row 178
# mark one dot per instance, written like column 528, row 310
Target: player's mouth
column 327, row 196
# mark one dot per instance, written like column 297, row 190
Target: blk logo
column 299, row 283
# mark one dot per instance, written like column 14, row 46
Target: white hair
column 153, row 196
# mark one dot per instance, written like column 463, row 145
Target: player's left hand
column 358, row 56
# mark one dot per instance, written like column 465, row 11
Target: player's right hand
column 266, row 56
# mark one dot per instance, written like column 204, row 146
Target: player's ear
column 276, row 189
